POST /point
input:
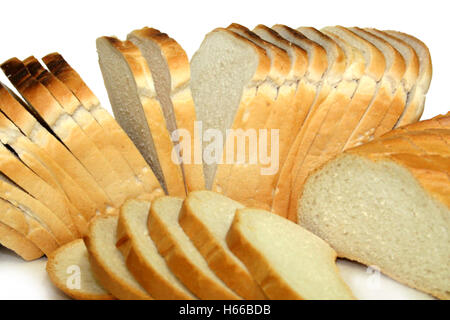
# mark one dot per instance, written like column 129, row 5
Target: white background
column 71, row 27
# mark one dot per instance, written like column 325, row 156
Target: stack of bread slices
column 68, row 167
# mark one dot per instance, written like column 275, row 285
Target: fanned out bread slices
column 70, row 270
column 206, row 217
column 67, row 75
column 133, row 98
column 13, row 240
column 108, row 264
column 387, row 203
column 170, row 68
column 288, row 262
column 141, row 254
column 181, row 256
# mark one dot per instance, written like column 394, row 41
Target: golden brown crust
column 16, row 242
column 268, row 279
column 107, row 277
column 73, row 293
column 181, row 266
column 66, row 74
column 49, row 145
column 235, row 276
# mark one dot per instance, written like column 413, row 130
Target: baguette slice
column 134, row 102
column 225, row 73
column 100, row 137
column 206, row 217
column 386, row 203
column 170, row 68
column 142, row 258
column 66, row 74
column 181, row 256
column 108, row 264
column 16, row 242
column 69, row 262
column 25, row 224
column 39, row 134
column 288, row 262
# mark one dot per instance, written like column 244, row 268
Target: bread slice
column 13, row 240
column 45, row 167
column 225, row 73
column 26, row 179
column 395, row 70
column 206, row 217
column 68, row 131
column 108, row 264
column 287, row 261
column 181, row 256
column 18, row 219
column 278, row 92
column 66, row 74
column 416, row 102
column 385, row 203
column 133, row 99
column 142, row 258
column 314, row 95
column 47, row 143
column 90, row 126
column 70, row 271
column 171, row 73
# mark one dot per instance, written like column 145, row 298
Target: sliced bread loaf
column 13, row 240
column 134, row 102
column 47, row 143
column 142, row 257
column 70, row 271
column 206, row 217
column 386, row 203
column 67, row 75
column 181, row 256
column 169, row 65
column 100, row 137
column 108, row 264
column 286, row 260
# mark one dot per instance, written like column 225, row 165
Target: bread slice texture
column 90, row 126
column 416, row 103
column 142, row 257
column 67, row 75
column 181, row 256
column 170, row 68
column 386, row 203
column 68, row 131
column 69, row 262
column 108, row 264
column 316, row 92
column 206, row 217
column 279, row 93
column 226, row 71
column 45, row 167
column 18, row 219
column 133, row 99
column 288, row 262
column 47, row 143
column 13, row 240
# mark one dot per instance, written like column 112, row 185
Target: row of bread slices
column 325, row 91
column 204, row 247
column 63, row 158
